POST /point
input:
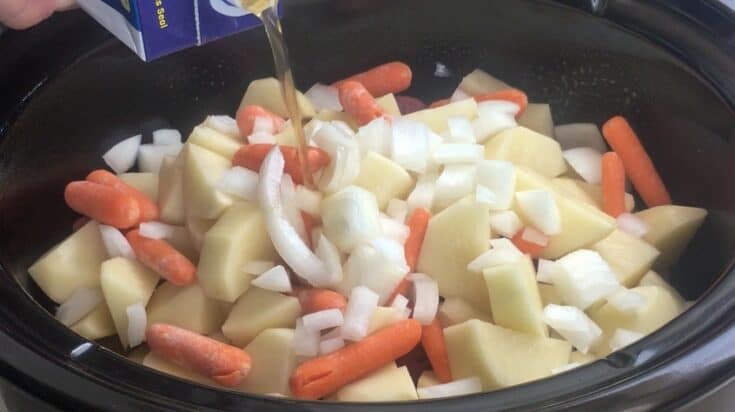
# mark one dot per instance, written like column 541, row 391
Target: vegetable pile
column 443, row 250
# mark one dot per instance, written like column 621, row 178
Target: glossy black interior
column 68, row 92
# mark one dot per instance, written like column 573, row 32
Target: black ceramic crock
column 68, row 91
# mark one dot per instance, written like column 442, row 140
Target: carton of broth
column 155, row 28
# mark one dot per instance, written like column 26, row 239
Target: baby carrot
column 315, row 300
column 393, row 77
column 401, row 289
column 148, row 208
column 432, row 339
column 104, row 204
column 417, row 223
column 225, row 364
column 359, row 103
column 252, row 156
column 246, row 117
column 158, row 255
column 319, row 377
column 638, row 165
column 613, row 184
column 511, row 95
column 525, row 246
column 439, row 103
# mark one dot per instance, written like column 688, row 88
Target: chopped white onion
column 491, row 122
column 351, row 217
column 455, row 388
column 163, row 137
column 455, row 182
column 327, row 346
column 623, row 337
column 262, row 137
column 78, row 305
column 409, row 146
column 263, row 124
column 308, row 200
column 137, row 322
column 305, row 342
column 324, row 97
column 632, row 225
column 441, row 70
column 156, row 230
column 626, row 300
column 115, row 243
column 290, row 208
column 395, row 230
column 375, row 137
column 460, row 130
column 423, row 193
column 574, row 325
column 240, row 182
column 533, row 235
column 344, row 153
column 121, row 157
column 328, row 253
column 458, row 95
column 391, row 250
column 223, row 124
column 498, row 106
column 275, row 279
column 450, row 153
column 583, row 278
column 575, row 135
column 629, row 202
column 505, row 223
column 484, row 195
column 565, row 368
column 400, row 303
column 366, row 266
column 586, row 162
column 292, row 248
column 334, row 333
column 151, row 156
column 257, row 267
column 540, row 209
column 499, row 177
column 397, row 210
column 360, row 308
column 545, row 270
column 323, row 319
column 426, row 298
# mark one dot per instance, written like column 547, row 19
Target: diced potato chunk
column 214, row 141
column 384, row 178
column 389, row 104
column 273, row 362
column 389, row 383
column 72, row 264
column 97, row 324
column 146, row 183
column 537, row 117
column 180, row 239
column 154, row 361
column 125, row 282
column 629, row 257
column 670, row 228
column 238, row 237
column 197, row 228
column 585, row 192
column 582, row 358
column 267, row 94
column 661, row 307
column 479, row 82
column 428, row 378
column 455, row 310
column 171, row 190
column 515, row 298
column 257, row 310
column 549, row 295
column 383, row 317
column 438, row 117
column 582, row 224
column 501, row 357
column 652, row 278
column 455, row 237
column 202, row 171
column 185, row 307
column 524, row 147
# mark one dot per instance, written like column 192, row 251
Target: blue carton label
column 155, row 28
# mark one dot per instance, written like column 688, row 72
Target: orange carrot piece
column 81, row 221
column 417, row 224
column 393, row 77
column 613, row 184
column 525, row 246
column 225, row 364
column 148, row 208
column 359, row 103
column 162, row 258
column 511, row 95
column 252, row 156
column 102, row 203
column 401, row 289
column 439, row 103
column 319, row 377
column 432, row 339
column 638, row 165
column 246, row 117
column 315, row 300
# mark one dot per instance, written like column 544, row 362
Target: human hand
column 22, row 14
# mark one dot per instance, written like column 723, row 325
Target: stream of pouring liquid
column 267, row 11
